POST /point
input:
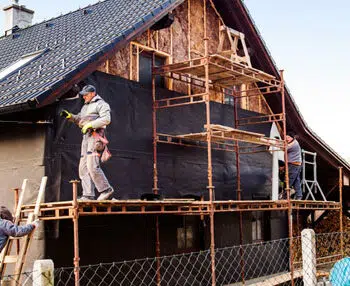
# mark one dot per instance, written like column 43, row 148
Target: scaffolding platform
column 205, row 77
column 65, row 209
column 222, row 71
column 223, row 138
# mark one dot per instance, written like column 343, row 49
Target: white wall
column 276, row 155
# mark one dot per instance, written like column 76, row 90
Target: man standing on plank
column 93, row 118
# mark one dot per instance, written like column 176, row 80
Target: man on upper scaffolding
column 294, row 164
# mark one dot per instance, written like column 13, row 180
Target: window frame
column 257, row 228
column 142, row 48
column 188, row 227
column 20, row 63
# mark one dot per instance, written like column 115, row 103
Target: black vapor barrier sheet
column 182, row 170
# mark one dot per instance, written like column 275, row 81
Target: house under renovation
column 199, row 117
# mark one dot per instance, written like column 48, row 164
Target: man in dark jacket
column 8, row 228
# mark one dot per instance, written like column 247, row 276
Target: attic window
column 19, row 64
column 49, row 25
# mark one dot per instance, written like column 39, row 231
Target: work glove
column 36, row 223
column 86, row 127
column 66, row 114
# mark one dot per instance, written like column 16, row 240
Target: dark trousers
column 294, row 179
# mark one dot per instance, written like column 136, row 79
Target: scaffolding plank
column 222, row 71
column 169, row 206
column 225, row 135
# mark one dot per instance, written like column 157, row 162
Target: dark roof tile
column 72, row 41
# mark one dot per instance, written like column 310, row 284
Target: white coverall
column 98, row 113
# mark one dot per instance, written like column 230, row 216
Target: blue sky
column 308, row 39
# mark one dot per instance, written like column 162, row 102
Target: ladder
column 310, row 185
column 18, row 260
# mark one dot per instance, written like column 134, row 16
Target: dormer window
column 20, row 63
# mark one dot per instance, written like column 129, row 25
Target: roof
column 74, row 41
column 294, row 111
column 69, row 43
column 236, row 14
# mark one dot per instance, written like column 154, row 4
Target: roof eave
column 86, row 68
column 18, row 107
column 89, row 66
column 292, row 103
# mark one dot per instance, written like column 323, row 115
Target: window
column 185, row 237
column 261, row 226
column 141, row 58
column 145, row 69
column 19, row 64
column 257, row 232
column 187, row 234
column 228, row 97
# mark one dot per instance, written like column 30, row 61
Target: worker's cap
column 86, row 89
column 291, row 134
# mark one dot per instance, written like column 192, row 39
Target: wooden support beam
column 168, row 206
column 131, row 61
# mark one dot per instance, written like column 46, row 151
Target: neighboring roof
column 71, row 42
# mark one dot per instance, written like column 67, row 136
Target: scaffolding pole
column 210, row 169
column 154, row 130
column 209, row 141
column 341, row 211
column 210, row 72
column 239, row 191
column 76, row 231
column 155, row 166
column 290, row 214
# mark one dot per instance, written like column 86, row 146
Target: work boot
column 282, row 195
column 106, row 195
column 292, row 192
column 86, row 198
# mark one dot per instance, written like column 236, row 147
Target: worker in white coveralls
column 93, row 118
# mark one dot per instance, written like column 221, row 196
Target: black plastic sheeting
column 182, row 170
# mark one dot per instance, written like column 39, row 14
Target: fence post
column 308, row 246
column 43, row 273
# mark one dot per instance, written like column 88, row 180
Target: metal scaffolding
column 217, row 73
column 210, row 74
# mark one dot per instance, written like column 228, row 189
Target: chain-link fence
column 265, row 263
column 34, row 278
column 314, row 256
